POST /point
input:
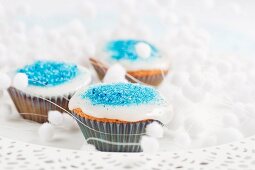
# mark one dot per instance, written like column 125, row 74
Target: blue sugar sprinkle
column 121, row 94
column 49, row 73
column 125, row 49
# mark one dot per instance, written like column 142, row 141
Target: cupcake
column 142, row 61
column 50, row 85
column 113, row 116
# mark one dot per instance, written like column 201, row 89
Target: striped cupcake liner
column 36, row 108
column 99, row 67
column 112, row 137
column 153, row 80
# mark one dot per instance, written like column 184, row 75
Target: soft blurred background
column 65, row 28
column 210, row 44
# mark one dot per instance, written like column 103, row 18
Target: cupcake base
column 35, row 108
column 99, row 67
column 149, row 77
column 112, row 136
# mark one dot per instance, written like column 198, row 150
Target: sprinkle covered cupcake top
column 121, row 94
column 131, row 50
column 49, row 73
column 120, row 101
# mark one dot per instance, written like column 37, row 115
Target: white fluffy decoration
column 46, row 132
column 5, row 110
column 248, row 126
column 149, row 144
column 68, row 122
column 230, row 120
column 210, row 141
column 176, row 122
column 179, row 78
column 194, row 126
column 88, row 147
column 237, row 9
column 182, row 139
column 20, row 81
column 223, row 68
column 5, row 81
column 90, row 49
column 155, row 130
column 194, row 94
column 166, row 114
column 227, row 135
column 208, row 85
column 209, row 4
column 143, row 50
column 55, row 117
column 115, row 73
column 196, row 78
column 88, row 9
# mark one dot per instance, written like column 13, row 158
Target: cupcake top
column 127, row 50
column 51, row 78
column 122, row 101
column 133, row 55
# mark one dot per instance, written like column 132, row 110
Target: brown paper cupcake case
column 36, row 108
column 112, row 137
column 150, row 79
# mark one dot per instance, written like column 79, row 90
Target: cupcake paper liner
column 36, row 108
column 113, row 137
column 99, row 67
column 153, row 80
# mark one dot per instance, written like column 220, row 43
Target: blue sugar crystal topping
column 125, row 50
column 49, row 73
column 121, row 94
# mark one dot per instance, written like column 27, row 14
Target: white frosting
column 82, row 79
column 125, row 113
column 143, row 65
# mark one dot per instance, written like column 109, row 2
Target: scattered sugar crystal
column 121, row 94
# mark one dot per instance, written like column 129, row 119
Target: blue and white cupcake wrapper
column 36, row 108
column 113, row 137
